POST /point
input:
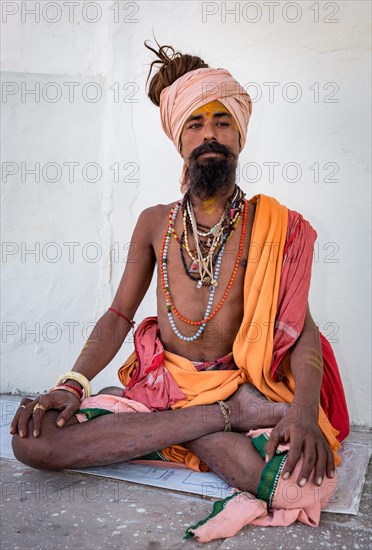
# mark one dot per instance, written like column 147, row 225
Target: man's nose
column 209, row 132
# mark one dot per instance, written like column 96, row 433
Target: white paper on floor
column 351, row 473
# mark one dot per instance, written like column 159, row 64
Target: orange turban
column 193, row 90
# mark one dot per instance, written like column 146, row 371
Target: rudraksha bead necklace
column 165, row 282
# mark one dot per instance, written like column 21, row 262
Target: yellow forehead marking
column 209, row 108
column 213, row 107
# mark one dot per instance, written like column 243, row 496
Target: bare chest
column 190, row 304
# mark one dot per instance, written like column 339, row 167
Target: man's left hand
column 304, row 436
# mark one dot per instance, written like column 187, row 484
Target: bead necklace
column 207, row 246
column 164, row 276
column 207, row 311
column 238, row 208
column 199, row 263
column 190, row 271
column 204, row 262
column 215, row 228
column 164, row 272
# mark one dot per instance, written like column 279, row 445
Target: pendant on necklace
column 214, row 282
column 206, row 281
column 199, row 285
column 194, row 268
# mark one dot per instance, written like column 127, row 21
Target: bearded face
column 212, row 169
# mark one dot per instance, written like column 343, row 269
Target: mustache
column 211, row 147
column 214, row 176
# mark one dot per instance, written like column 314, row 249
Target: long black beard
column 211, row 177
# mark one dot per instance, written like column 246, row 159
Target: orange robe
column 253, row 347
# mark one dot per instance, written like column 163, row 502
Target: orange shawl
column 253, row 345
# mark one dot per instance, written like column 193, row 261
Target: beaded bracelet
column 66, row 388
column 78, row 377
column 225, row 409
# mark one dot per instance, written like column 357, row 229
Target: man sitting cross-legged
column 232, row 318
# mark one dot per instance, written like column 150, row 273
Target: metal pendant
column 194, row 268
column 199, row 285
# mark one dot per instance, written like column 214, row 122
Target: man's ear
column 180, row 145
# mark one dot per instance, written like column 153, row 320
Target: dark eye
column 223, row 124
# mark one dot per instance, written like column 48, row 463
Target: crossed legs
column 119, row 437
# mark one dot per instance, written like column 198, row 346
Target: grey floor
column 66, row 510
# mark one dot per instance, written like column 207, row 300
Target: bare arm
column 109, row 332
column 300, row 426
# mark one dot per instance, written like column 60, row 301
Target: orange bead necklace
column 164, row 275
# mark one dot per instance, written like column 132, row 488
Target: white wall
column 328, row 127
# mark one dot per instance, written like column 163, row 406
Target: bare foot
column 251, row 410
column 112, row 390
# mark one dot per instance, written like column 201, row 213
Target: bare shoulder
column 151, row 222
column 153, row 218
column 251, row 209
column 156, row 212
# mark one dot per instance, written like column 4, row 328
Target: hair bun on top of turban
column 173, row 65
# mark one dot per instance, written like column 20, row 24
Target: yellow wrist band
column 83, row 381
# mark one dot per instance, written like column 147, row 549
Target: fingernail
column 21, row 434
column 267, row 458
column 11, row 430
column 302, row 482
column 332, row 474
column 286, row 475
column 60, row 423
column 35, row 433
column 319, row 480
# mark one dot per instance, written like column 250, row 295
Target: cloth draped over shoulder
column 193, row 90
column 276, row 290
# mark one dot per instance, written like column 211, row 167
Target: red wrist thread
column 76, row 388
column 123, row 316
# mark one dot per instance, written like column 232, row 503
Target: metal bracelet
column 225, row 409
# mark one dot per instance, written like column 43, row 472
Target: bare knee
column 43, row 452
column 112, row 390
column 35, row 452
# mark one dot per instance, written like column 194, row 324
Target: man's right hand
column 60, row 400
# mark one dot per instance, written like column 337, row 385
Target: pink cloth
column 292, row 307
column 116, row 405
column 294, row 286
column 111, row 403
column 151, row 383
column 291, row 503
column 193, row 90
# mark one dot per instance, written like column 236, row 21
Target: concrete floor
column 63, row 510
column 68, row 510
